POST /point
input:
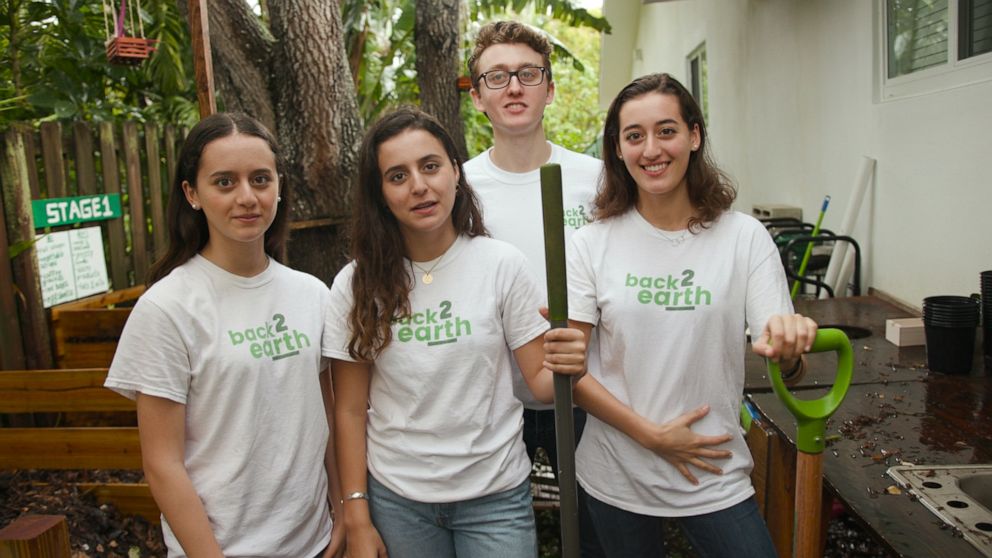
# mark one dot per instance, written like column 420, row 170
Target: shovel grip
column 811, row 415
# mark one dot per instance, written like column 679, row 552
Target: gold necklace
column 427, row 278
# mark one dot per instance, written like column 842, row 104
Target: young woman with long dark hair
column 222, row 354
column 671, row 276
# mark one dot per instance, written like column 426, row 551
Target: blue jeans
column 737, row 532
column 539, row 432
column 499, row 525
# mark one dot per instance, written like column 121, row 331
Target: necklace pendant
column 427, row 278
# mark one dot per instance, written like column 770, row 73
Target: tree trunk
column 296, row 80
column 319, row 126
column 437, row 42
column 242, row 52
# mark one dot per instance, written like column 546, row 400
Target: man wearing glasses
column 512, row 84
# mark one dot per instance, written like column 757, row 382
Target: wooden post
column 35, row 536
column 20, row 223
column 112, row 185
column 11, row 348
column 170, row 157
column 51, row 154
column 199, row 31
column 83, row 144
column 136, row 201
column 155, row 190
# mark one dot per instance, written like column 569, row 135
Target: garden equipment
column 809, row 247
column 554, row 256
column 811, row 418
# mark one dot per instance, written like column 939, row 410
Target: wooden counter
column 895, row 411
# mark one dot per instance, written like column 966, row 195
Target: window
column 931, row 45
column 698, row 84
column 975, row 24
column 917, row 35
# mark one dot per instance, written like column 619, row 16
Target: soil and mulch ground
column 94, row 530
column 100, row 531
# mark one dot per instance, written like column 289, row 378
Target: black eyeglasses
column 498, row 79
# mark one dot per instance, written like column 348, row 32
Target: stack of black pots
column 949, row 323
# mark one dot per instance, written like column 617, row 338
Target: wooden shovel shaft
column 809, row 495
column 554, row 258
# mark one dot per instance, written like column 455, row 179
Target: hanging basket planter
column 129, row 50
column 126, row 42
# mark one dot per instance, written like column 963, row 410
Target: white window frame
column 704, row 102
column 950, row 75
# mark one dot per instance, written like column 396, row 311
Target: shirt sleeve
column 582, row 303
column 767, row 288
column 337, row 332
column 152, row 356
column 522, row 300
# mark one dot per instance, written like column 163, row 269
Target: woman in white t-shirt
column 222, row 354
column 422, row 328
column 671, row 277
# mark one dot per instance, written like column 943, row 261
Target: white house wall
column 793, row 111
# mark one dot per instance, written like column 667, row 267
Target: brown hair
column 381, row 284
column 188, row 232
column 710, row 190
column 508, row 32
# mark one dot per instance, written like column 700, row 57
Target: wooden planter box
column 86, row 331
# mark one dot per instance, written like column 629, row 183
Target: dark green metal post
column 554, row 257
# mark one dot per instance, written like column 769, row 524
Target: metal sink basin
column 960, row 495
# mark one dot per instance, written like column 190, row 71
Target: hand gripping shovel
column 554, row 257
column 811, row 416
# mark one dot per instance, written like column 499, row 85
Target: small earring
column 278, row 198
column 621, row 157
column 194, row 206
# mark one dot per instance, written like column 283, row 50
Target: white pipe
column 838, row 256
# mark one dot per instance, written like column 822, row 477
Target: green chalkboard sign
column 81, row 209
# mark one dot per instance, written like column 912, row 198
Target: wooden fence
column 58, row 160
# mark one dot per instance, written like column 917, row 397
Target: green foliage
column 379, row 37
column 574, row 119
column 54, row 62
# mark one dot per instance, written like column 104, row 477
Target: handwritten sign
column 64, row 211
column 71, row 264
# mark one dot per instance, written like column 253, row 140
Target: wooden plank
column 35, row 536
column 91, row 323
column 155, row 190
column 758, row 441
column 11, row 348
column 70, row 448
column 199, row 32
column 85, row 169
column 51, row 154
column 136, row 201
column 115, row 228
column 170, row 156
column 94, row 354
column 44, row 391
column 24, row 267
column 101, row 300
column 781, row 493
column 31, row 145
column 128, row 498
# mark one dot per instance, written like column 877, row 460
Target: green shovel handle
column 811, row 415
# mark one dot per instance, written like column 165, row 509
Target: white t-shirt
column 443, row 425
column 512, row 211
column 243, row 356
column 671, row 322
